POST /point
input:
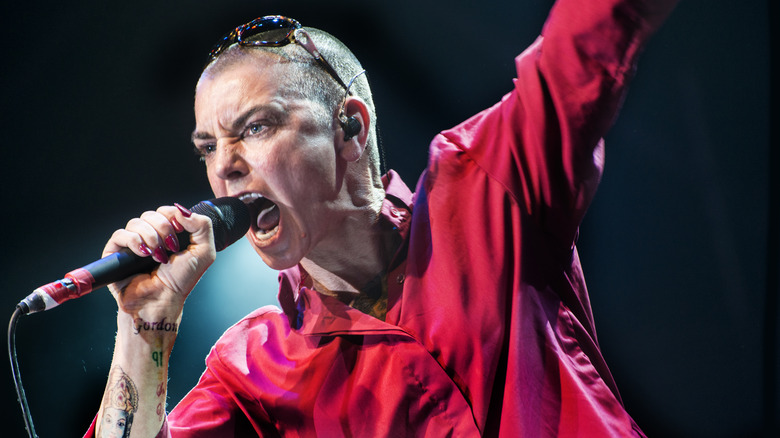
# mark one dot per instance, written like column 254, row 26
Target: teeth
column 256, row 200
column 268, row 234
column 249, row 197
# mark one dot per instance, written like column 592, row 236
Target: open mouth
column 266, row 214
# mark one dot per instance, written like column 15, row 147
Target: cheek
column 313, row 167
column 283, row 169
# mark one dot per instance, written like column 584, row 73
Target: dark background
column 679, row 247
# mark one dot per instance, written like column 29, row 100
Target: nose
column 229, row 162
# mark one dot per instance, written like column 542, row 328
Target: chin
column 278, row 263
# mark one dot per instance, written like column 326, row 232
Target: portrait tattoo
column 119, row 404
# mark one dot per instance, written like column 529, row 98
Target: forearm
column 149, row 311
column 136, row 391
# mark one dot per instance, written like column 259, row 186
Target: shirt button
column 400, row 279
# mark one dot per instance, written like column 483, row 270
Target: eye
column 204, row 150
column 255, row 129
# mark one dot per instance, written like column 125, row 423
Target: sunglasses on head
column 273, row 31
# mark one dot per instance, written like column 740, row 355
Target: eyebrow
column 239, row 122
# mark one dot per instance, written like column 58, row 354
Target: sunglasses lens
column 223, row 44
column 268, row 31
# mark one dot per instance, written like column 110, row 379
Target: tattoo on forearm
column 119, row 405
column 157, row 357
column 160, row 393
column 148, row 326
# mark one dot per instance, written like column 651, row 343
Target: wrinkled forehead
column 226, row 95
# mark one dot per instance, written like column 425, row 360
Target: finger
column 199, row 226
column 198, row 253
column 153, row 238
column 123, row 238
column 165, row 229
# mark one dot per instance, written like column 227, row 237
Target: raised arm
column 150, row 309
column 543, row 141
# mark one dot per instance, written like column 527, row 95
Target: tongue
column 268, row 218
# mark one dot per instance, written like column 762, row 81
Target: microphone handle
column 117, row 266
column 230, row 219
column 110, row 269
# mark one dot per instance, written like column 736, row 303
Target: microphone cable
column 28, row 422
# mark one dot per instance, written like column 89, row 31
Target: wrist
column 155, row 329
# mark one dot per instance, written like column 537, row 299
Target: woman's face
column 114, row 423
column 257, row 142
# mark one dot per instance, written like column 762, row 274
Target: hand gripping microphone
column 230, row 219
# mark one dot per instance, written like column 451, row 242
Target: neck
column 351, row 258
column 355, row 266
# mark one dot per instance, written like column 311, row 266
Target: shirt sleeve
column 221, row 404
column 543, row 141
column 208, row 410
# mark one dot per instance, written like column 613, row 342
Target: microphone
column 230, row 219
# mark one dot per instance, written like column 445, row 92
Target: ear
column 352, row 147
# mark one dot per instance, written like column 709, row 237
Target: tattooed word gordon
column 139, row 324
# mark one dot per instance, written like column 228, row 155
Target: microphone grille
column 229, row 216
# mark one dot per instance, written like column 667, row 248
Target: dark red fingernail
column 184, row 210
column 144, row 249
column 176, row 225
column 159, row 255
column 172, row 243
